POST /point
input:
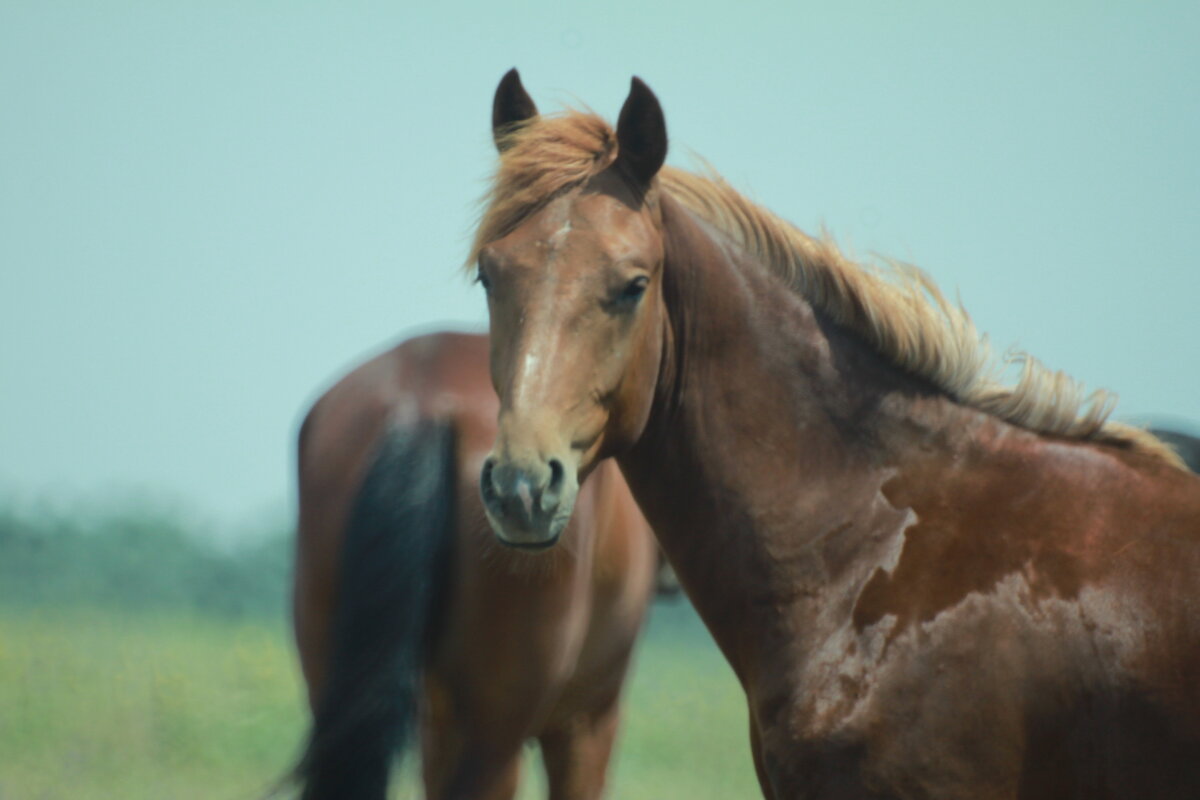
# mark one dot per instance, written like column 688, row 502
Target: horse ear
column 511, row 106
column 641, row 133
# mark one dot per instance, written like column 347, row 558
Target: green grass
column 686, row 731
column 142, row 705
column 107, row 706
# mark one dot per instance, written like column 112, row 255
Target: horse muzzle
column 528, row 501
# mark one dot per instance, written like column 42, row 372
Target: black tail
column 393, row 573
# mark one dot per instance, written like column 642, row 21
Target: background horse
column 1186, row 445
column 400, row 586
column 929, row 584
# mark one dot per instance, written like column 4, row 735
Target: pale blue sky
column 208, row 210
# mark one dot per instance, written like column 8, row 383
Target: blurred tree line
column 137, row 557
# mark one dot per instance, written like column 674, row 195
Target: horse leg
column 760, row 769
column 459, row 769
column 459, row 761
column 576, row 754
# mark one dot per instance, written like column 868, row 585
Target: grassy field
column 178, row 706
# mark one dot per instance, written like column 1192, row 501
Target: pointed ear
column 641, row 133
column 511, row 105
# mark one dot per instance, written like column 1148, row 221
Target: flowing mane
column 896, row 308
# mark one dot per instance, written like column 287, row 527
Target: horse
column 930, row 583
column 1185, row 444
column 407, row 612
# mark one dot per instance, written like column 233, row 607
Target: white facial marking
column 531, row 363
column 556, row 239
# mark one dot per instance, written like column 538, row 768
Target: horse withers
column 930, row 584
column 406, row 605
column 1187, row 445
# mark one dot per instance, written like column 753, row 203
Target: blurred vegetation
column 136, row 557
column 141, row 659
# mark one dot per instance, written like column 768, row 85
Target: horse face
column 577, row 319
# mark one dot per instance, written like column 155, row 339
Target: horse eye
column 482, row 279
column 634, row 290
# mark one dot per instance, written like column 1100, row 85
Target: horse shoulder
column 1048, row 588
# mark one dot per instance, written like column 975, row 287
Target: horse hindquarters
column 394, row 565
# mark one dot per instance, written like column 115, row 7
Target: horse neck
column 764, row 438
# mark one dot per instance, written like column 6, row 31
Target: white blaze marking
column 531, row 362
column 559, row 235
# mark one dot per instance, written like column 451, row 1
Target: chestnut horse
column 929, row 584
column 1186, row 445
column 403, row 598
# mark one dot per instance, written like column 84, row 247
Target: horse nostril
column 507, row 488
column 486, row 487
column 553, row 492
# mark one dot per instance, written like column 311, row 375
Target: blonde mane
column 538, row 160
column 895, row 307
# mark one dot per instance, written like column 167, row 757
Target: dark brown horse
column 929, row 584
column 404, row 598
column 1185, row 444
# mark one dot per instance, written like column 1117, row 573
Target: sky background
column 208, row 211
